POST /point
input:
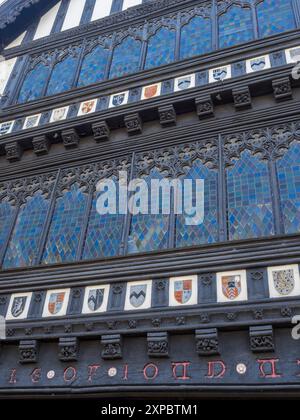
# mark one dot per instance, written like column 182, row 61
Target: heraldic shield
column 18, row 306
column 184, row 83
column 231, row 286
column 258, row 63
column 183, row 290
column 56, row 301
column 150, row 91
column 118, row 99
column 95, row 299
column 220, row 74
column 284, row 281
column 137, row 295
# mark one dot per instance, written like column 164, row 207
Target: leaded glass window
column 62, row 76
column 288, row 170
column 249, row 199
column 104, row 234
column 93, row 66
column 66, row 226
column 206, row 231
column 24, row 242
column 6, row 217
column 161, row 48
column 126, row 58
column 149, row 232
column 34, row 83
column 235, row 26
column 275, row 16
column 196, row 37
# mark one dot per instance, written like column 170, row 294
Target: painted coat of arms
column 31, row 121
column 295, row 54
column 18, row 306
column 118, row 99
column 137, row 295
column 59, row 114
column 231, row 286
column 220, row 74
column 95, row 299
column 5, row 128
column 284, row 281
column 87, row 107
column 184, row 82
column 183, row 290
column 150, row 91
column 56, row 302
column 258, row 63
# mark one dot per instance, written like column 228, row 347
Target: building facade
column 140, row 304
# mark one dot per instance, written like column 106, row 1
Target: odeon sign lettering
column 92, row 374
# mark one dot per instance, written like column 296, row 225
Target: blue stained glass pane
column 275, row 16
column 207, row 229
column 62, row 76
column 6, row 216
column 34, row 83
column 161, row 48
column 24, row 242
column 126, row 58
column 196, row 37
column 66, row 226
column 249, row 199
column 235, row 26
column 93, row 66
column 149, row 232
column 288, row 172
column 104, row 234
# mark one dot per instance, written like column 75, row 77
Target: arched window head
column 62, row 76
column 235, row 26
column 275, row 16
column 161, row 48
column 34, row 83
column 93, row 66
column 126, row 57
column 196, row 37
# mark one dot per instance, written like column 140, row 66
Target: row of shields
column 231, row 287
column 148, row 92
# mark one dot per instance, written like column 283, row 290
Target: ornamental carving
column 176, row 161
column 87, row 176
column 17, row 191
column 268, row 144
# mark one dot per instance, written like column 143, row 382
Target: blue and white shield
column 118, row 99
column 295, row 54
column 137, row 295
column 18, row 306
column 184, row 82
column 220, row 74
column 95, row 299
column 258, row 63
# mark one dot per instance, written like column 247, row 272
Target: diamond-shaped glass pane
column 288, row 170
column 66, row 227
column 249, row 199
column 206, row 231
column 23, row 246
